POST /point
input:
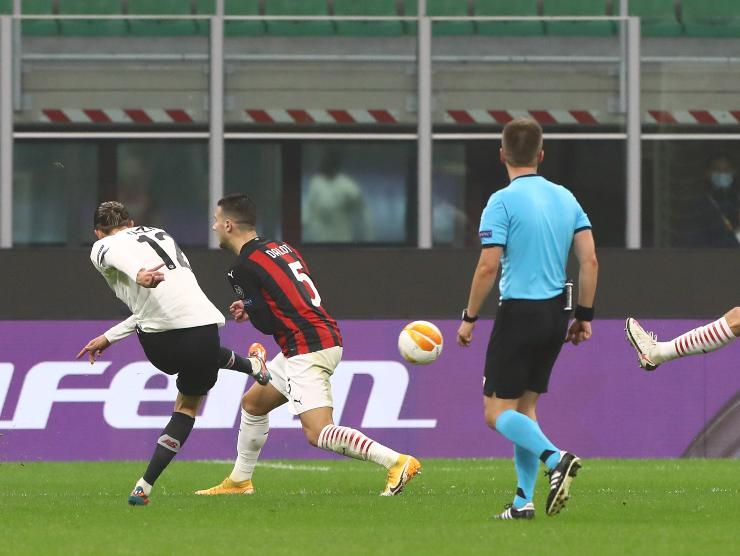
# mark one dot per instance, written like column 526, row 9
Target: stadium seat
column 658, row 18
column 298, row 7
column 245, row 28
column 718, row 18
column 578, row 8
column 455, row 8
column 91, row 27
column 504, row 8
column 164, row 27
column 368, row 28
column 39, row 27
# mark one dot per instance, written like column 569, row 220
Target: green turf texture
column 670, row 507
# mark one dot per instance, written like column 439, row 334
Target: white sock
column 253, row 433
column 702, row 339
column 352, row 443
column 146, row 486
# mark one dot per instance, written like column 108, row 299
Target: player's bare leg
column 169, row 443
column 523, row 431
column 320, row 430
column 253, row 432
column 702, row 339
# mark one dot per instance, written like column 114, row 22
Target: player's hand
column 94, row 348
column 465, row 334
column 579, row 331
column 150, row 278
column 237, row 311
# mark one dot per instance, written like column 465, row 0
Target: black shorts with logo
column 190, row 353
column 525, row 342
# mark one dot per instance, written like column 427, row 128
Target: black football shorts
column 525, row 342
column 190, row 353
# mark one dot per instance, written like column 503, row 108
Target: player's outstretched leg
column 253, row 365
column 526, row 433
column 169, row 443
column 702, row 339
column 352, row 443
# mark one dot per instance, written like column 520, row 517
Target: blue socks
column 526, row 433
column 527, row 464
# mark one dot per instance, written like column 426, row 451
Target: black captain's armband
column 584, row 313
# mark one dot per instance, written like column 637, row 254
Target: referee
column 529, row 227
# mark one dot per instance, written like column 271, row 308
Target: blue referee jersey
column 534, row 220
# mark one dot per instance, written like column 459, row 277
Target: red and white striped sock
column 703, row 339
column 352, row 443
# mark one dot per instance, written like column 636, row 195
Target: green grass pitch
column 670, row 507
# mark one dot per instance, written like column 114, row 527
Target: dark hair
column 241, row 208
column 522, row 142
column 109, row 216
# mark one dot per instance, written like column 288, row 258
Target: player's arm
column 95, row 347
column 585, row 251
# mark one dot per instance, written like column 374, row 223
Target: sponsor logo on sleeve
column 485, row 234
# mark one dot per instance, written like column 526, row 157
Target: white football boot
column 644, row 343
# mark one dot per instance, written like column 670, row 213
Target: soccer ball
column 420, row 342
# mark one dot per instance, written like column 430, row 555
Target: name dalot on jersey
column 278, row 251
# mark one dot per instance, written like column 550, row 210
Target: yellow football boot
column 228, row 486
column 405, row 469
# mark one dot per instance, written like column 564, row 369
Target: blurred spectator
column 712, row 218
column 334, row 210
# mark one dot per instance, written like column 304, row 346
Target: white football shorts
column 305, row 379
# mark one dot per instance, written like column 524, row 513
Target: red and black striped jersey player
column 277, row 294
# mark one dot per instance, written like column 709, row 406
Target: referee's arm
column 585, row 251
column 483, row 280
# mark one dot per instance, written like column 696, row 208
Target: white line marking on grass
column 292, row 467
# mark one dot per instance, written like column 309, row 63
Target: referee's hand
column 465, row 334
column 579, row 331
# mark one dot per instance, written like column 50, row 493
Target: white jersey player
column 175, row 322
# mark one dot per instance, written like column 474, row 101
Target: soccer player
column 176, row 324
column 277, row 294
column 528, row 228
column 703, row 339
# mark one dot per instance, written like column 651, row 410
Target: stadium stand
column 718, row 18
column 509, row 28
column 91, row 27
column 659, row 18
column 578, row 8
column 298, row 7
column 163, row 27
column 368, row 28
column 237, row 7
column 39, row 27
column 449, row 8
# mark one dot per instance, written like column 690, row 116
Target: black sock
column 227, row 359
column 173, row 437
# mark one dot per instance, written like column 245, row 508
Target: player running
column 703, row 339
column 176, row 324
column 277, row 294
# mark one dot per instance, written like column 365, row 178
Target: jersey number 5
column 166, row 259
column 297, row 267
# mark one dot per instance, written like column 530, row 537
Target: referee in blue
column 528, row 228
